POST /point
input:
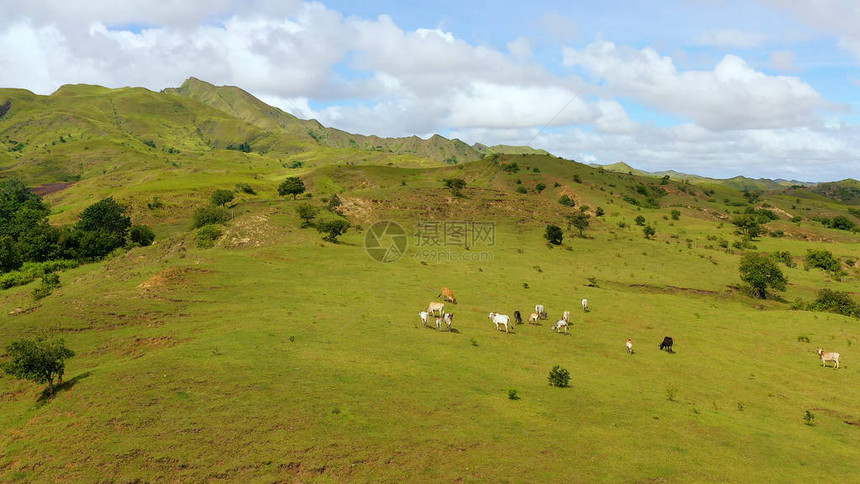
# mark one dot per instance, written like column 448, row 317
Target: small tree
column 580, row 221
column 822, row 259
column 599, row 212
column 559, row 377
column 676, row 214
column 333, row 228
column 748, row 225
column 648, row 231
column 522, row 189
column 141, row 235
column 540, row 187
column 761, row 272
column 640, row 220
column 566, row 201
column 210, row 215
column 456, row 185
column 291, row 186
column 553, row 234
column 221, row 197
column 38, row 360
column 307, row 212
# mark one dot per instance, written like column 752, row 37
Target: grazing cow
column 566, row 316
column 825, row 357
column 540, row 310
column 629, row 346
column 559, row 325
column 533, row 318
column 585, row 305
column 667, row 344
column 500, row 320
column 423, row 315
column 518, row 318
column 447, row 319
column 435, row 307
column 448, row 295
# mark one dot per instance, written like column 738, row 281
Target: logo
column 385, row 241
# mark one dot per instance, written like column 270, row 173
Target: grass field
column 278, row 357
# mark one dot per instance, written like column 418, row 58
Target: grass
column 276, row 356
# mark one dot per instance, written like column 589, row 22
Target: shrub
column 38, row 360
column 577, row 179
column 221, row 197
column 141, row 235
column 599, row 212
column 822, row 259
column 553, row 234
column 841, row 222
column 540, row 187
column 245, row 188
column 648, row 231
column 333, row 228
column 566, row 201
column 761, row 273
column 456, row 185
column 809, row 418
column 207, row 235
column 784, row 257
column 639, row 220
column 210, row 215
column 512, row 395
column 291, row 186
column 676, row 214
column 522, row 189
column 836, row 302
column 306, row 212
column 559, row 377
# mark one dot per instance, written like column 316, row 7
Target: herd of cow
column 503, row 321
column 436, row 308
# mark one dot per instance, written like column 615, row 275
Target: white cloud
column 839, row 16
column 732, row 38
column 731, row 96
column 784, row 60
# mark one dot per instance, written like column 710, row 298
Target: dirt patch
column 49, row 188
column 170, row 277
column 673, row 289
column 249, row 231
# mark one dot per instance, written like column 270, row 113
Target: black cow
column 518, row 318
column 667, row 344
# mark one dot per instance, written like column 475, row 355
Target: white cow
column 540, row 310
column 559, row 325
column 825, row 357
column 435, row 307
column 500, row 320
column 585, row 305
column 447, row 319
column 566, row 316
column 629, row 345
column 423, row 315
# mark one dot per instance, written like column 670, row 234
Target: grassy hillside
column 275, row 356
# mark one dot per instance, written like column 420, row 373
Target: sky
column 720, row 88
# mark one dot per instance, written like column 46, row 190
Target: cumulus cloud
column 838, row 16
column 732, row 38
column 731, row 96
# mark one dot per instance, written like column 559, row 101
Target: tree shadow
column 47, row 396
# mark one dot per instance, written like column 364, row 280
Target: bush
column 456, row 185
column 512, row 395
column 648, row 231
column 31, row 270
column 522, row 189
column 141, row 235
column 333, row 228
column 836, row 302
column 207, row 235
column 566, row 201
column 106, row 216
column 221, row 197
column 245, row 188
column 291, row 186
column 842, row 222
column 784, row 257
column 599, row 212
column 38, row 360
column 306, row 212
column 210, row 215
column 540, row 187
column 639, row 220
column 559, row 377
column 676, row 214
column 553, row 234
column 822, row 259
column 761, row 273
column 49, row 282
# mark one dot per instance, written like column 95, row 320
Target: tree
column 291, row 186
column 676, row 214
column 553, row 234
column 566, row 201
column 221, row 197
column 842, row 222
column 748, row 224
column 38, row 360
column 599, row 212
column 455, row 185
column 822, row 259
column 107, row 216
column 649, row 231
column 540, row 187
column 580, row 221
column 20, row 208
column 10, row 258
column 307, row 212
column 761, row 272
column 640, row 220
column 333, row 228
column 559, row 377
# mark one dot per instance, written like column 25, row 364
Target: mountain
column 739, row 182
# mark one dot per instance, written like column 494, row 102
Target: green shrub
column 210, row 215
column 512, row 395
column 141, row 235
column 836, row 302
column 822, row 259
column 648, row 231
column 221, row 197
column 676, row 214
column 540, row 187
column 639, row 220
column 522, row 189
column 566, row 201
column 332, row 228
column 559, row 377
column 207, row 235
column 245, row 188
column 761, row 272
column 553, row 234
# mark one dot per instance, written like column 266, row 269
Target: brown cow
column 448, row 295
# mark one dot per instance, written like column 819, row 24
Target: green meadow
column 277, row 357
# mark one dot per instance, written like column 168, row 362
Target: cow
column 448, row 295
column 540, row 310
column 447, row 319
column 585, row 305
column 533, row 318
column 500, row 320
column 423, row 315
column 435, row 307
column 566, row 316
column 518, row 318
column 667, row 344
column 629, row 345
column 559, row 325
column 825, row 357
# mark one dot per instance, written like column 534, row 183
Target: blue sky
column 762, row 88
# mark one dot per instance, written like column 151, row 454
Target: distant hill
column 242, row 105
column 508, row 150
column 846, row 191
